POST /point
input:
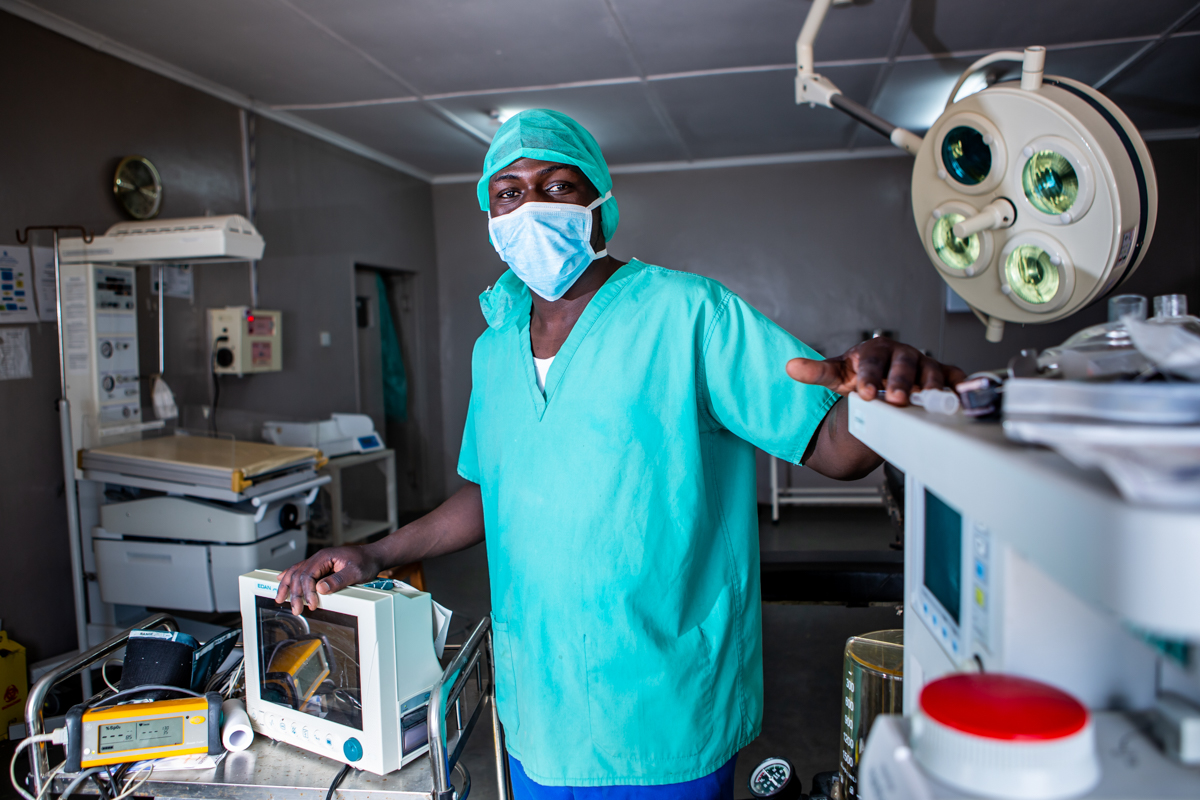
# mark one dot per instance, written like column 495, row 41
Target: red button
column 1003, row 707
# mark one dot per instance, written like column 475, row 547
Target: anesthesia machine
column 1051, row 613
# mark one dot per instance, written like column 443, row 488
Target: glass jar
column 873, row 684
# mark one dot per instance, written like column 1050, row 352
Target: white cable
column 45, row 792
column 104, row 672
column 134, row 786
column 1003, row 55
column 58, row 736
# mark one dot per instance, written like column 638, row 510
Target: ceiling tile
column 257, row 47
column 621, row 117
column 715, row 34
column 1159, row 93
column 469, row 45
column 953, row 26
column 915, row 93
column 407, row 131
column 756, row 113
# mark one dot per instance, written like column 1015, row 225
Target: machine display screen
column 943, row 553
column 140, row 734
column 310, row 663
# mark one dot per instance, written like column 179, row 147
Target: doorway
column 389, row 326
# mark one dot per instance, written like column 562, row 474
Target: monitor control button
column 353, row 749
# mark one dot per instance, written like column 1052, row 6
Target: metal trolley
column 271, row 770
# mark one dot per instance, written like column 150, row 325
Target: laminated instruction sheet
column 17, row 299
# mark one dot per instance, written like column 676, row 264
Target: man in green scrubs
column 609, row 453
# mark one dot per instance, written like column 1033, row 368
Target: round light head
column 966, row 156
column 1031, row 275
column 1036, row 273
column 954, row 252
column 1050, row 182
column 970, row 153
column 956, row 256
column 1075, row 171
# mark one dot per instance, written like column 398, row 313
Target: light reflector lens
column 1050, row 182
column 966, row 156
column 1031, row 275
column 954, row 252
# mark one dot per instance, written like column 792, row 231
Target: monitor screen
column 310, row 662
column 943, row 553
column 140, row 734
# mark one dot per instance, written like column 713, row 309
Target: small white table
column 339, row 531
column 819, row 495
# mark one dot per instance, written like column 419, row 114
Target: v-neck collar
column 509, row 301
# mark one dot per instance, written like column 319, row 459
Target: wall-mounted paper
column 14, row 354
column 16, row 285
column 43, row 270
column 177, row 281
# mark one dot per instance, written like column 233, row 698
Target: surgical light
column 1044, row 179
column 1050, row 182
column 966, row 155
column 955, row 252
column 1031, row 274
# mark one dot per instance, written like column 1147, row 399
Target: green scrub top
column 622, row 526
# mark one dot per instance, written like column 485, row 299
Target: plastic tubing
column 936, row 401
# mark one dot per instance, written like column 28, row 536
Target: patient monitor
column 349, row 680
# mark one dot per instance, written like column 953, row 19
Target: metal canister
column 873, row 684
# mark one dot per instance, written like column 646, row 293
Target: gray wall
column 320, row 210
column 825, row 249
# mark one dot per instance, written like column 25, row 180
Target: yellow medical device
column 298, row 669
column 139, row 731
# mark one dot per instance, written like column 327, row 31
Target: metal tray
column 1140, row 403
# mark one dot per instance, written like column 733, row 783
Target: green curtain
column 395, row 380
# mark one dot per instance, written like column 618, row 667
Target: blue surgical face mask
column 547, row 245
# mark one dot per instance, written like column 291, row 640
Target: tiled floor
column 802, row 644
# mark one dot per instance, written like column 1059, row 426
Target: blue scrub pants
column 715, row 786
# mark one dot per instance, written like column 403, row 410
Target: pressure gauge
column 137, row 187
column 775, row 778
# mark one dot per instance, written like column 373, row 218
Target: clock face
column 138, row 188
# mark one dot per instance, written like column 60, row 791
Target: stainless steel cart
column 271, row 770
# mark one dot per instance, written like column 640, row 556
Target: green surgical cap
column 546, row 135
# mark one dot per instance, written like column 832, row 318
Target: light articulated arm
column 818, row 90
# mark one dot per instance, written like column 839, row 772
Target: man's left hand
column 874, row 366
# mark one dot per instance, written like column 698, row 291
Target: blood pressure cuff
column 158, row 657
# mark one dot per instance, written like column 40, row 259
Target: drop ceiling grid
column 465, row 57
column 718, row 34
column 406, row 131
column 270, row 53
column 459, row 45
column 947, row 27
column 755, row 113
column 622, row 118
column 1160, row 92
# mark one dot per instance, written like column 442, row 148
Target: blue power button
column 353, row 749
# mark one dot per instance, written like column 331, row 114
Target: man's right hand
column 326, row 572
column 454, row 525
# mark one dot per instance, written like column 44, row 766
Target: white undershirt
column 542, row 366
